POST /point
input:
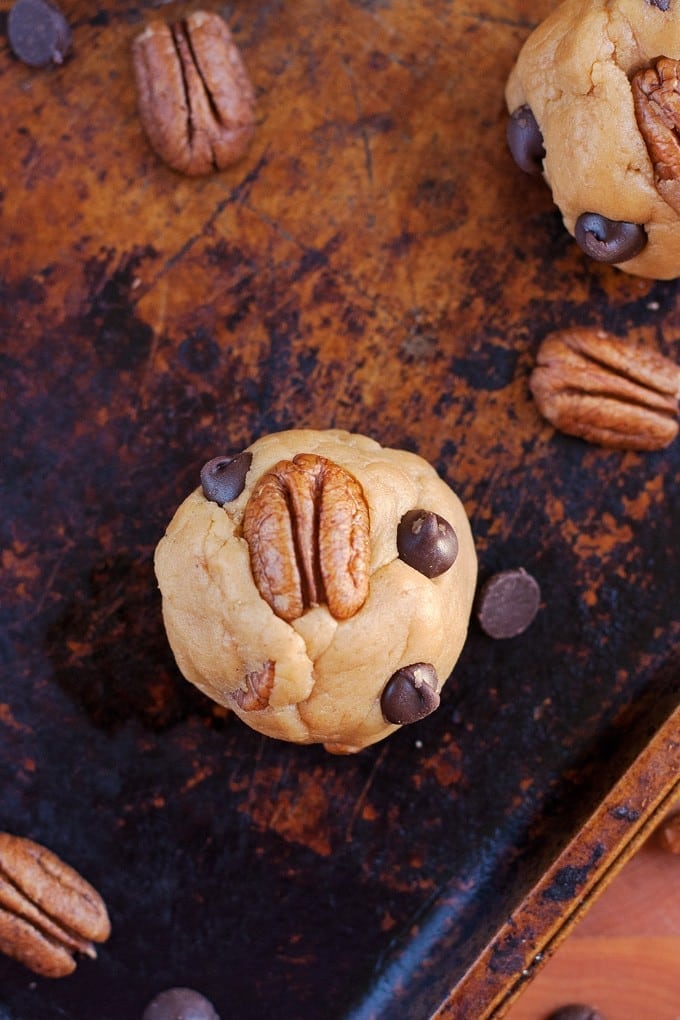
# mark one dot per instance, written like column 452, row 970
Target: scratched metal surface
column 375, row 263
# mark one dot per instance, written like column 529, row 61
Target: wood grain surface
column 377, row 263
column 623, row 958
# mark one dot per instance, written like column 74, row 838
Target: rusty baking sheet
column 375, row 263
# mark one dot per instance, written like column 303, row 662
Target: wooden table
column 624, row 956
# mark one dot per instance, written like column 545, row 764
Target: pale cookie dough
column 400, row 586
column 595, row 107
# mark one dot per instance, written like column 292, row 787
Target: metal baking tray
column 375, row 263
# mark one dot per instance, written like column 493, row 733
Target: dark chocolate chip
column 663, row 5
column 426, row 542
column 38, row 33
column 224, row 478
column 526, row 141
column 576, row 1011
column 410, row 694
column 180, row 1004
column 609, row 240
column 507, row 603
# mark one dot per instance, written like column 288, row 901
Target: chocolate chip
column 663, row 5
column 38, row 33
column 426, row 542
column 609, row 240
column 224, row 478
column 180, row 1004
column 526, row 141
column 410, row 694
column 507, row 603
column 576, row 1011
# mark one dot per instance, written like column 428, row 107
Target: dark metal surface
column 375, row 263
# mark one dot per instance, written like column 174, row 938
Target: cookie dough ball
column 594, row 102
column 320, row 586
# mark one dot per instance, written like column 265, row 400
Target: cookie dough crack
column 207, row 558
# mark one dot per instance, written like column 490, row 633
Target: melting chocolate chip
column 507, row 603
column 38, row 33
column 526, row 141
column 576, row 1011
column 410, row 694
column 426, row 542
column 224, row 478
column 609, row 240
column 180, row 1004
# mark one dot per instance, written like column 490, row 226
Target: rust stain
column 447, row 766
column 300, row 814
column 8, row 719
column 200, row 774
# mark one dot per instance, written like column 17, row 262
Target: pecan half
column 606, row 391
column 656, row 99
column 307, row 528
column 258, row 688
column 195, row 98
column 48, row 912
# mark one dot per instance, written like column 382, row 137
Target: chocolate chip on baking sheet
column 410, row 694
column 526, row 140
column 223, row 478
column 426, row 542
column 507, row 603
column 38, row 33
column 180, row 1004
column 609, row 240
column 576, row 1011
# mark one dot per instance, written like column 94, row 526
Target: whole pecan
column 48, row 912
column 656, row 99
column 307, row 528
column 195, row 98
column 607, row 391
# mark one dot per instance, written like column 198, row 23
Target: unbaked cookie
column 594, row 99
column 320, row 586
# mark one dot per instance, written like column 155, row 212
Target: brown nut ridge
column 656, row 99
column 48, row 912
column 307, row 528
column 606, row 391
column 195, row 99
column 255, row 696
